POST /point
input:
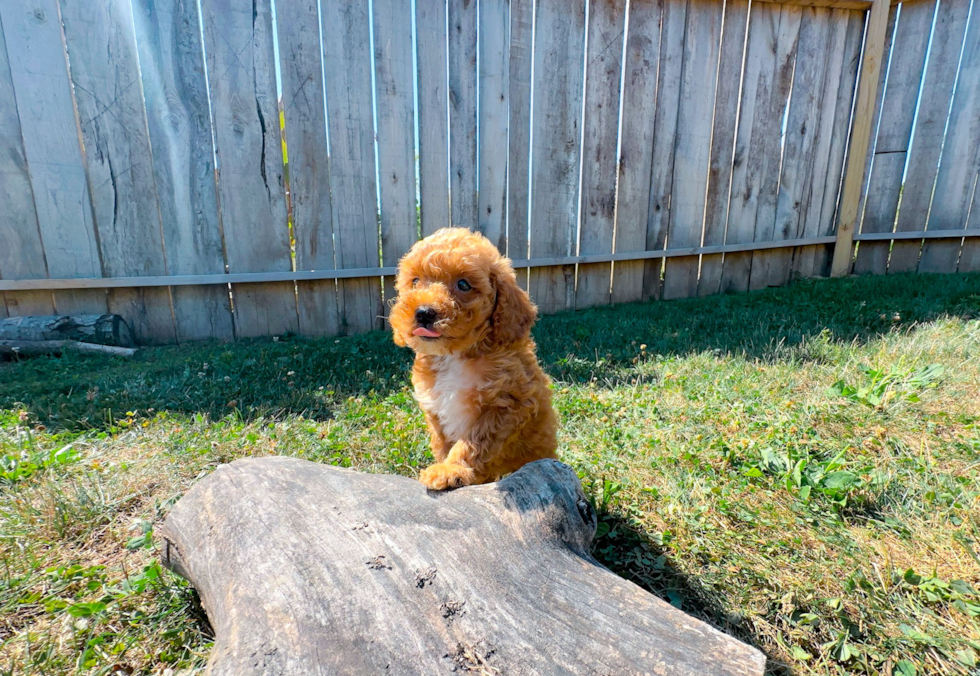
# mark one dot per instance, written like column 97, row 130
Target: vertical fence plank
column 101, row 43
column 834, row 97
column 887, row 55
column 692, row 144
column 604, row 65
column 894, row 130
column 241, row 67
column 519, row 129
column 930, row 126
column 396, row 129
column 51, row 145
column 559, row 50
column 807, row 111
column 430, row 26
column 347, row 60
column 960, row 161
column 635, row 162
column 168, row 38
column 723, row 141
column 754, row 124
column 665, row 129
column 864, row 103
column 462, row 112
column 21, row 249
column 494, row 103
column 765, row 264
column 309, row 169
column 846, row 100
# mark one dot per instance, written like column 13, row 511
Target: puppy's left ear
column 514, row 313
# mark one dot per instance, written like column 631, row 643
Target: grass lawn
column 798, row 467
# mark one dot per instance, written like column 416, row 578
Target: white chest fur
column 450, row 398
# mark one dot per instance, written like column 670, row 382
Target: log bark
column 33, row 347
column 309, row 569
column 101, row 329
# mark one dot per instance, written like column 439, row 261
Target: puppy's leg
column 437, row 440
column 467, row 461
column 458, row 468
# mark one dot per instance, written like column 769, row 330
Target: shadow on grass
column 312, row 377
column 633, row 555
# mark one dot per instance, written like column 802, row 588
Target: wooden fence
column 212, row 169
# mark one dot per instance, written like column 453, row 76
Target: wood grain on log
column 310, row 569
column 102, row 329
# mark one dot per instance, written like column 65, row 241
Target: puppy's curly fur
column 476, row 377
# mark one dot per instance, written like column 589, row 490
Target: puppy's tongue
column 428, row 333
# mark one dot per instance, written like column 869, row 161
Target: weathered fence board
column 22, row 252
column 673, row 24
column 559, row 52
column 960, row 161
column 604, row 65
column 768, row 266
column 304, row 116
column 723, row 141
column 462, row 112
column 692, row 144
column 101, row 44
column 519, row 131
column 175, row 90
column 831, row 212
column 799, row 173
column 430, row 22
column 636, row 162
column 818, row 211
column 396, row 129
column 494, row 104
column 753, row 125
column 241, row 67
column 32, row 31
column 930, row 125
column 347, row 60
column 862, row 260
column 894, row 114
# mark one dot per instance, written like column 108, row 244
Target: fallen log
column 36, row 347
column 309, row 569
column 100, row 329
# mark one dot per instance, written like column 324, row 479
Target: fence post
column 860, row 138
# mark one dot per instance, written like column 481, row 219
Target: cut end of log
column 305, row 568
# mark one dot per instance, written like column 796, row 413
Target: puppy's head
column 455, row 291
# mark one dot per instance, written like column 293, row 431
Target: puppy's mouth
column 426, row 333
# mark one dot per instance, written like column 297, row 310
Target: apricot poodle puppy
column 486, row 400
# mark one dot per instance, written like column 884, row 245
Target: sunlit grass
column 798, row 467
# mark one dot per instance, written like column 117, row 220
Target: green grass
column 798, row 467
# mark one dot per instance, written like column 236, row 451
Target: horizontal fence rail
column 236, row 168
column 315, row 275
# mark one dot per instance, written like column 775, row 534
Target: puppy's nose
column 425, row 316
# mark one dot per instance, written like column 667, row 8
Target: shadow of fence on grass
column 312, row 377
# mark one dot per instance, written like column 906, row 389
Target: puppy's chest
column 452, row 398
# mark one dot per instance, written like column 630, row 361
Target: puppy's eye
column 463, row 285
column 415, row 282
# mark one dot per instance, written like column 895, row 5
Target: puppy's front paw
column 443, row 475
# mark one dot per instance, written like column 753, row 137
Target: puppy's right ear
column 399, row 339
column 514, row 313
